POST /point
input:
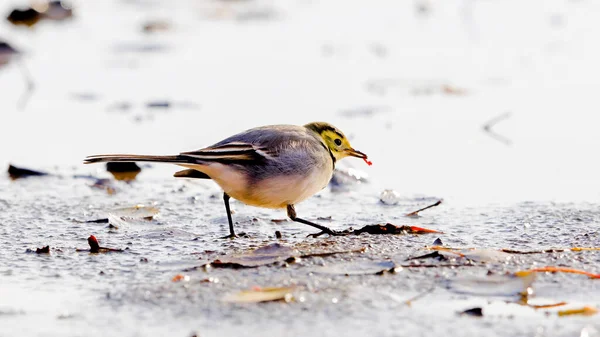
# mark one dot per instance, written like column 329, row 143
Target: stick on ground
column 415, row 213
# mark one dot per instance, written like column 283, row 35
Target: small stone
column 43, row 250
column 475, row 312
column 389, row 197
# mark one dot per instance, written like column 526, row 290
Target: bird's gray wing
column 232, row 152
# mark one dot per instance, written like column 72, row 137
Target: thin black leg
column 291, row 211
column 226, row 198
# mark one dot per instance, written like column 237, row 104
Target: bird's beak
column 355, row 153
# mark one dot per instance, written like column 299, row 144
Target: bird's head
column 335, row 140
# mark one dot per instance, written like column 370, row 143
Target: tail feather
column 133, row 158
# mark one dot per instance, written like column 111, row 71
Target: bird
column 272, row 166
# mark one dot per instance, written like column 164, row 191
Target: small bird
column 274, row 166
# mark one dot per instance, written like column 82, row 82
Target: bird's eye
column 338, row 142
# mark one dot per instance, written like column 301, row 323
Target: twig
column 547, row 306
column 418, row 296
column 512, row 251
column 415, row 213
column 435, row 265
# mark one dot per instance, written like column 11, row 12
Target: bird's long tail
column 177, row 159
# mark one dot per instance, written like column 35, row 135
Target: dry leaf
column 357, row 268
column 551, row 269
column 586, row 311
column 135, row 212
column 180, row 277
column 270, row 254
column 262, row 256
column 258, row 295
column 492, row 285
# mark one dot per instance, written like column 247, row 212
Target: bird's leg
column 291, row 211
column 231, row 235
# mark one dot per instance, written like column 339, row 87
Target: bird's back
column 289, row 149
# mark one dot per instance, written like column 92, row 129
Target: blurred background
column 472, row 100
column 490, row 105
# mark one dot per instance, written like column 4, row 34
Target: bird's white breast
column 280, row 191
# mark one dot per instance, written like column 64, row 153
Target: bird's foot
column 330, row 232
column 233, row 236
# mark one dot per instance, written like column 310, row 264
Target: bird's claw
column 330, row 232
column 233, row 236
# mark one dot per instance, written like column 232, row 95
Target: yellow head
column 335, row 140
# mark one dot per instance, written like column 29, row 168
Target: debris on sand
column 546, row 306
column 389, row 197
column 265, row 255
column 43, row 250
column 492, row 285
column 357, row 268
column 585, row 311
column 416, row 213
column 551, row 269
column 139, row 211
column 271, row 254
column 155, row 26
column 180, row 277
column 413, row 299
column 102, row 220
column 389, row 228
column 465, row 250
column 474, row 254
column 27, row 17
column 95, row 247
column 19, row 172
column 475, row 312
column 445, row 265
column 52, row 10
column 486, row 255
column 553, row 250
column 434, row 255
column 259, row 294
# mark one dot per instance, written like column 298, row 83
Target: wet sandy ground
column 412, row 90
column 75, row 293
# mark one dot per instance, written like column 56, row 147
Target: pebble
column 389, row 197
